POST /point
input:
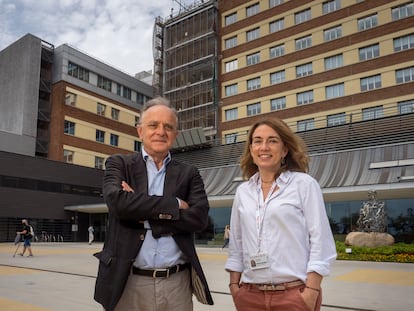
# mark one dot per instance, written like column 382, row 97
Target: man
column 90, row 234
column 155, row 203
column 27, row 238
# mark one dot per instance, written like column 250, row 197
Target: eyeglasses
column 155, row 125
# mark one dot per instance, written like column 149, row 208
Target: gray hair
column 158, row 101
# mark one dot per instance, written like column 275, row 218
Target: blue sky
column 117, row 32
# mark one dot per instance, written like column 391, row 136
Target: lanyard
column 259, row 217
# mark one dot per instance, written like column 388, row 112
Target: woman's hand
column 310, row 297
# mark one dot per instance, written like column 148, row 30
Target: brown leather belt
column 281, row 286
column 160, row 273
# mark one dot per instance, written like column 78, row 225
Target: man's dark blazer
column 125, row 233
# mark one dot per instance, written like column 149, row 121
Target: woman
column 226, row 236
column 281, row 244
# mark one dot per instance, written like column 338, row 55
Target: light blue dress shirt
column 162, row 252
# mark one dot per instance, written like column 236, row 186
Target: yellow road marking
column 12, row 305
column 390, row 277
column 14, row 271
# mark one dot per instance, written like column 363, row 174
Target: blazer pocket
column 104, row 257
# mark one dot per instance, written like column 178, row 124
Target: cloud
column 117, row 32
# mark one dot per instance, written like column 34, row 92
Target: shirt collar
column 283, row 178
column 146, row 156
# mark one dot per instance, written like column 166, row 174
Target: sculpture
column 372, row 215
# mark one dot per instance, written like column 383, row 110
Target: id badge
column 259, row 261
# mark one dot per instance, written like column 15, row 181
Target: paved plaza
column 61, row 277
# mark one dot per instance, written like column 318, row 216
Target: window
column 277, row 77
column 100, row 136
column 403, row 11
column 336, row 119
column 370, row 83
column 332, row 33
column 404, row 43
column 137, row 119
column 137, row 145
column 372, row 113
column 333, row 62
column 273, row 3
column 276, row 25
column 126, row 92
column 69, row 128
column 78, row 72
column 252, row 9
column 254, row 109
column 367, row 22
column 404, row 75
column 304, row 70
column 70, row 99
column 302, row 16
column 118, row 89
column 100, row 109
column 68, row 156
column 230, row 19
column 253, row 59
column 114, row 114
column 114, row 140
column 231, row 89
column 253, row 84
column 104, row 83
column 369, row 52
column 253, row 34
column 231, row 138
column 331, row 6
column 277, row 51
column 278, row 103
column 231, row 65
column 231, row 42
column 335, row 90
column 305, row 125
column 406, row 106
column 231, row 114
column 304, row 98
column 303, row 43
column 99, row 163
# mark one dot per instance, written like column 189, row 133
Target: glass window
column 69, row 128
column 100, row 136
column 252, row 9
column 278, row 103
column 126, row 92
column 332, row 33
column 277, row 51
column 333, row 62
column 331, row 6
column 254, row 109
column 372, row 113
column 273, row 3
column 305, row 125
column 230, row 19
column 137, row 145
column 78, row 72
column 253, row 59
column 304, row 70
column 253, row 84
column 100, row 109
column 231, row 114
column 302, row 16
column 303, row 43
column 406, row 106
column 404, row 75
column 99, row 163
column 335, row 90
column 114, row 140
column 369, row 52
column 304, row 98
column 403, row 11
column 370, row 83
column 231, row 89
column 231, row 138
column 367, row 22
column 277, row 77
column 231, row 65
column 253, row 34
column 114, row 114
column 137, row 119
column 104, row 83
column 231, row 42
column 70, row 99
column 404, row 43
column 118, row 89
column 276, row 25
column 68, row 156
column 336, row 119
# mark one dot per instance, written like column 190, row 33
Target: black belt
column 160, row 273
